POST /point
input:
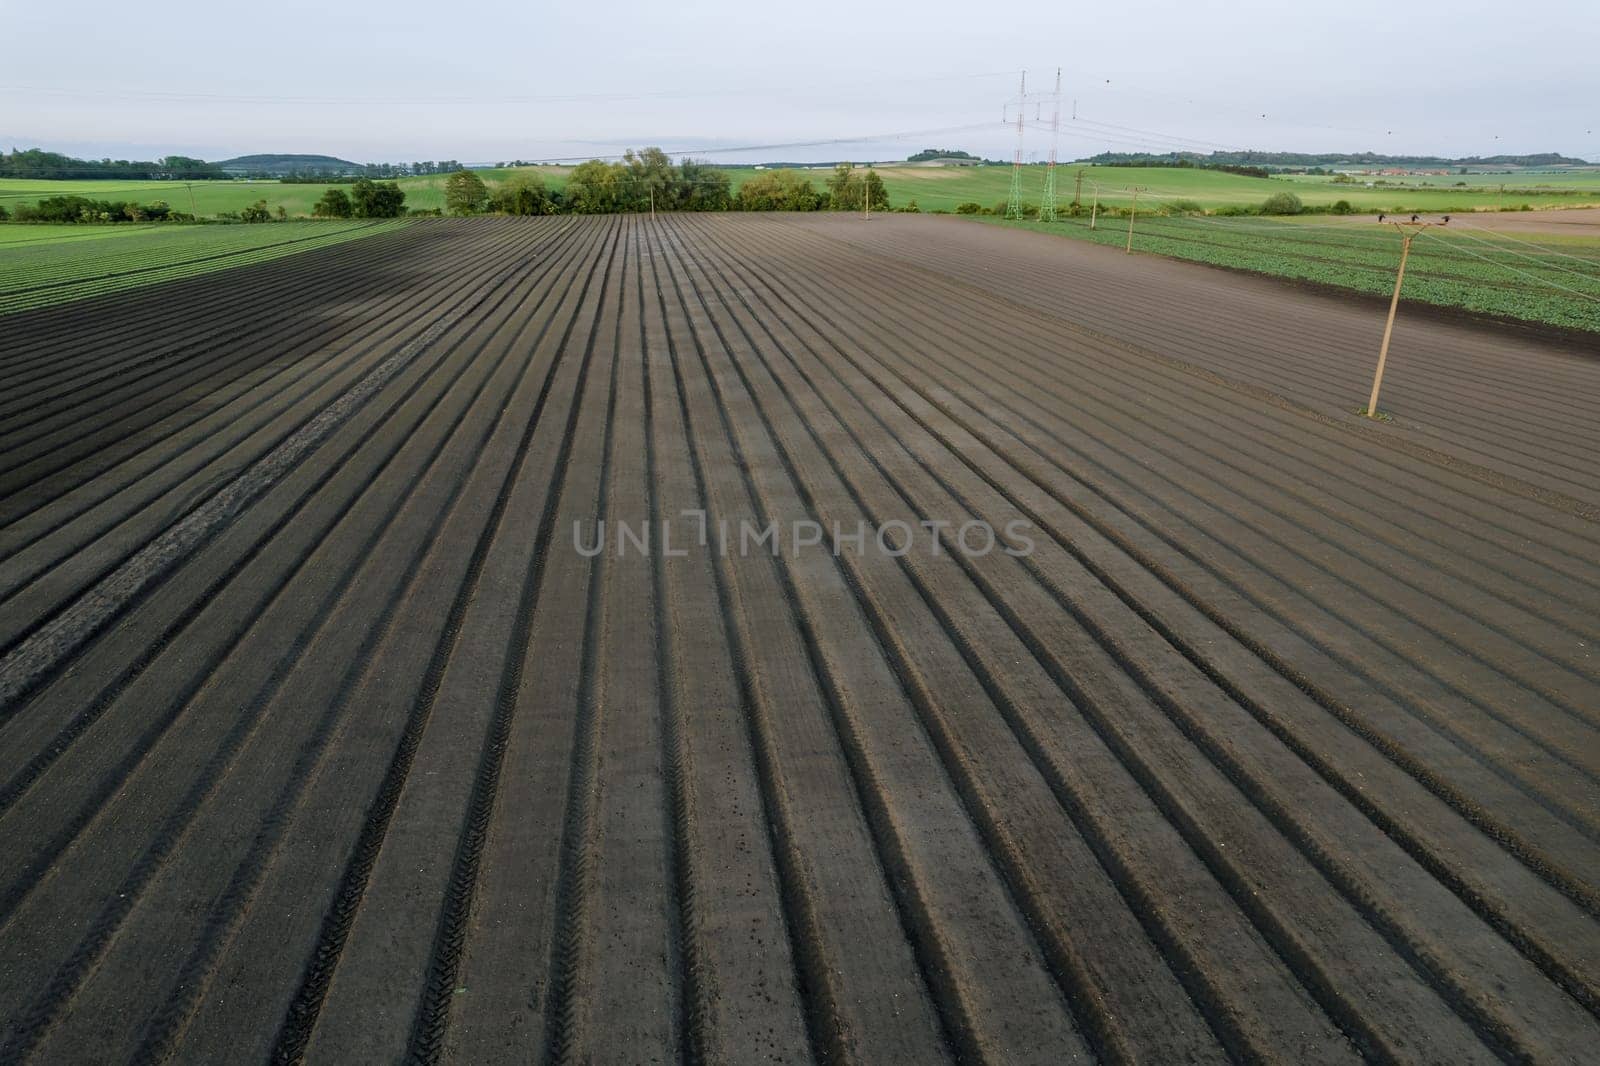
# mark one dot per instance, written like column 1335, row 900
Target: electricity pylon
column 1047, row 205
column 1014, row 203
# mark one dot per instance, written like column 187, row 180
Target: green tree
column 334, row 204
column 877, row 192
column 256, row 212
column 1281, row 203
column 524, row 194
column 849, row 189
column 779, row 190
column 597, row 188
column 465, row 193
column 377, row 199
column 650, row 174
column 704, row 187
column 841, row 195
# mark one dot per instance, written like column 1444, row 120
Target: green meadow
column 1554, row 280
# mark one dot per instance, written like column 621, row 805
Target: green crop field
column 50, row 264
column 204, row 198
column 1579, row 180
column 1555, row 280
column 944, row 188
column 933, row 189
column 57, row 233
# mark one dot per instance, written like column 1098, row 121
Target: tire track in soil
column 307, row 1005
column 918, row 897
column 1078, row 475
column 96, row 701
column 26, row 660
column 87, row 454
column 367, row 767
column 71, row 977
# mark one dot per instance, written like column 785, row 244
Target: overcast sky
column 491, row 81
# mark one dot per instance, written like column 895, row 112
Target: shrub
column 1182, row 207
column 4, row 214
column 377, row 199
column 1282, row 203
column 779, row 190
column 1342, row 207
column 334, row 204
column 465, row 193
column 849, row 188
column 524, row 194
column 969, row 208
column 598, row 188
column 256, row 212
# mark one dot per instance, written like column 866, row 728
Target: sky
column 492, row 80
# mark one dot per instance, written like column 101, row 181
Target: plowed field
column 576, row 640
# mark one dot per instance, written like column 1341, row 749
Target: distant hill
column 278, row 166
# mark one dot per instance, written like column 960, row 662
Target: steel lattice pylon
column 1014, row 202
column 1047, row 204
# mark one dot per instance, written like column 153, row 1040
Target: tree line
column 87, row 209
column 34, row 163
column 366, row 199
column 648, row 179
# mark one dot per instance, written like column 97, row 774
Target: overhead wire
column 1516, row 270
column 1530, row 258
column 1531, row 244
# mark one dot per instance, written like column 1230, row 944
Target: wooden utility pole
column 193, row 210
column 652, row 203
column 866, row 197
column 1131, row 213
column 1077, row 189
column 1095, row 210
column 1408, row 233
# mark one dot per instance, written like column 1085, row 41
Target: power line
column 1529, row 258
column 1531, row 244
column 724, row 150
column 1524, row 273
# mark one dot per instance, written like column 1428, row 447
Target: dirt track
column 321, row 738
column 1572, row 221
